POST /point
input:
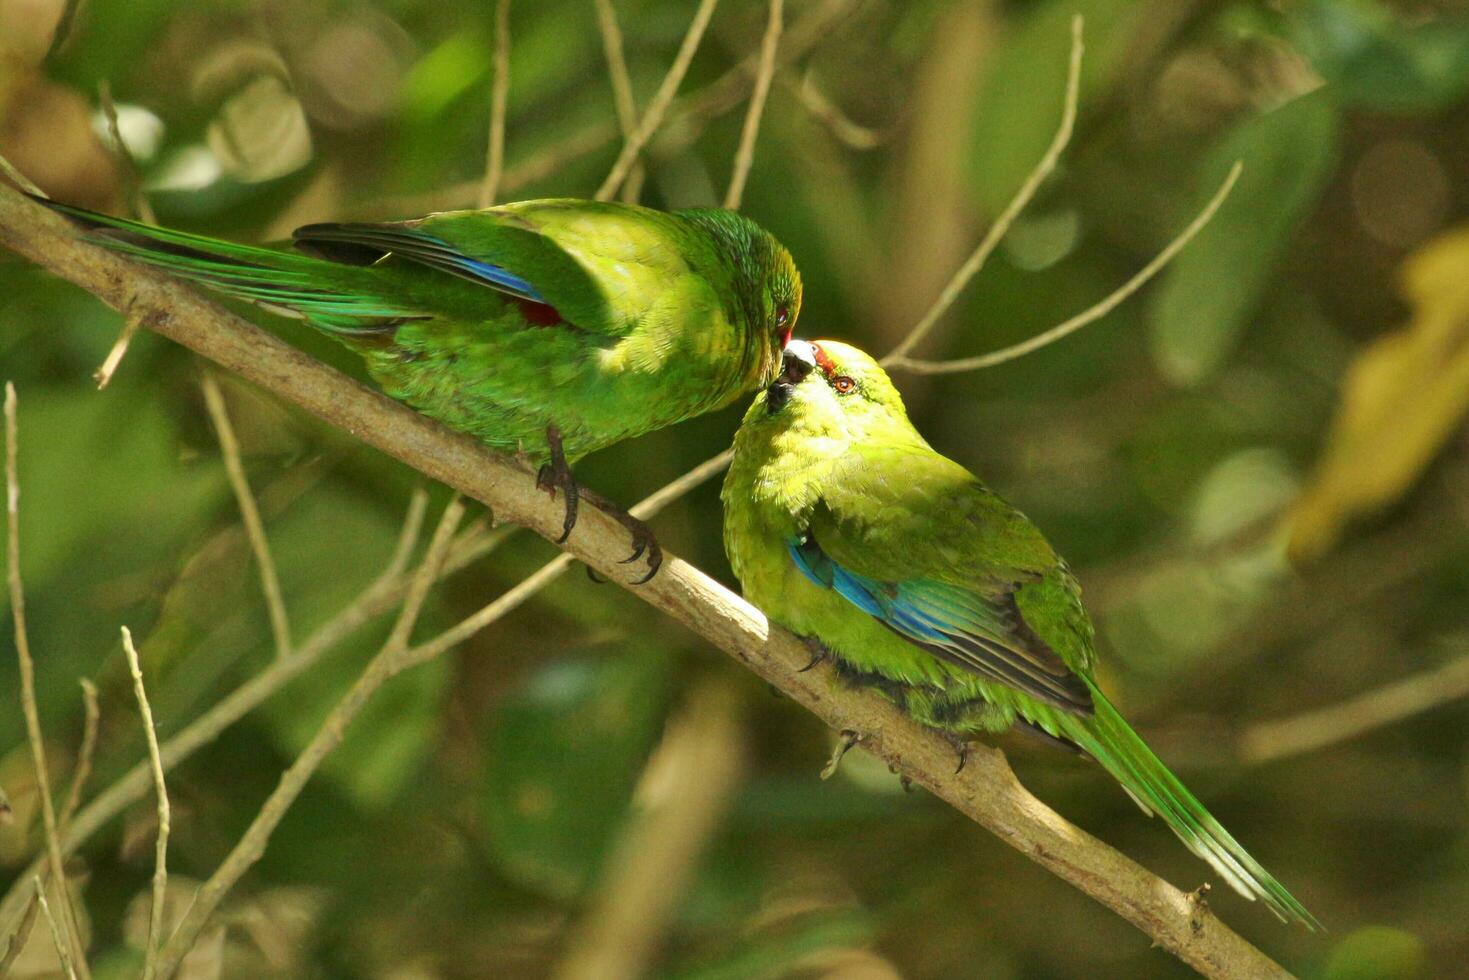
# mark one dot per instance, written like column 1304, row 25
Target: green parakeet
column 553, row 327
column 846, row 527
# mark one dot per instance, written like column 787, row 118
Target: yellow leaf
column 1402, row 399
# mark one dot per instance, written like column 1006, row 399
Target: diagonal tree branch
column 985, row 791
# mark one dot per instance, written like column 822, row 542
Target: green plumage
column 844, row 525
column 606, row 320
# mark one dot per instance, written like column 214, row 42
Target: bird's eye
column 843, row 384
column 783, row 324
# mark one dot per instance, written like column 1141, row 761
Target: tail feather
column 319, row 290
column 1109, row 739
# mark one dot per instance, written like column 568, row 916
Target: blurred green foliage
column 465, row 827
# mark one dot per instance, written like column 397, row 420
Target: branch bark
column 986, row 790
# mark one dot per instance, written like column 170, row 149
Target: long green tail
column 1108, row 739
column 332, row 295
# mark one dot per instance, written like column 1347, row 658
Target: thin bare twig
column 653, row 118
column 408, row 533
column 141, row 209
column 92, row 715
column 745, row 155
column 499, row 92
column 1088, row 316
column 622, row 97
column 103, row 375
column 229, row 446
column 383, row 666
column 1018, row 203
column 160, row 854
column 28, row 674
column 62, row 953
column 622, row 94
column 1270, row 740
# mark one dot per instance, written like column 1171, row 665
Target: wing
column 917, row 542
column 603, row 268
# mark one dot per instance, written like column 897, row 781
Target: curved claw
column 557, row 475
column 962, row 748
column 638, row 547
column 818, row 654
column 655, row 561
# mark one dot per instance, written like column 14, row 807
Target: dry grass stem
column 1088, row 316
column 745, row 154
column 62, row 952
column 383, row 666
column 229, row 446
column 489, row 191
column 34, row 736
column 90, row 718
column 160, row 854
column 653, row 118
column 1018, row 203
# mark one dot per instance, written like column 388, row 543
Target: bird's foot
column 557, row 475
column 819, row 652
column 845, row 741
column 961, row 748
column 644, row 544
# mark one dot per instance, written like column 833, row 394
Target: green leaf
column 1215, row 286
column 564, row 754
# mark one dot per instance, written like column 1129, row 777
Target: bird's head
column 766, row 281
column 831, row 385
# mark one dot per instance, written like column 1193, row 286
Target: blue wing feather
column 962, row 626
column 416, row 246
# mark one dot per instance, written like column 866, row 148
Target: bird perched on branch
column 846, row 527
column 553, row 327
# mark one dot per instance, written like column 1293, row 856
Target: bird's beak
column 797, row 361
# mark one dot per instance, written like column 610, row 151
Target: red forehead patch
column 823, row 360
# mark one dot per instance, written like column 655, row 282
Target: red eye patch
column 823, row 360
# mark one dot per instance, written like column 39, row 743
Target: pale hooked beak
column 797, row 361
